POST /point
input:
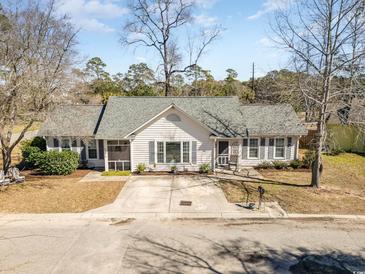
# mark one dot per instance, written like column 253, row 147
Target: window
column 92, row 150
column 160, row 152
column 65, row 144
column 186, row 150
column 253, row 148
column 173, row 118
column 279, row 148
column 173, row 152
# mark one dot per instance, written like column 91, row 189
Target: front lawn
column 342, row 190
column 57, row 194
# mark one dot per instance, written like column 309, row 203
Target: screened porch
column 118, row 155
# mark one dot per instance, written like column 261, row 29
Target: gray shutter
column 193, row 151
column 56, row 142
column 151, row 145
column 262, row 148
column 244, row 148
column 101, row 149
column 271, row 148
column 288, row 149
column 83, row 151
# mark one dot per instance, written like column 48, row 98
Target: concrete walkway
column 164, row 196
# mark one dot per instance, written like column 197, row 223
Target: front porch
column 226, row 153
column 117, row 155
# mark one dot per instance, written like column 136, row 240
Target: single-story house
column 185, row 132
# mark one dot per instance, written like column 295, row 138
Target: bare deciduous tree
column 36, row 52
column 156, row 24
column 319, row 34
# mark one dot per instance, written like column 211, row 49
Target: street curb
column 172, row 216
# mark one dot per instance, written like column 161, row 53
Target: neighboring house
column 185, row 132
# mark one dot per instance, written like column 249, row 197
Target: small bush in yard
column 58, row 163
column 265, row 165
column 31, row 151
column 295, row 164
column 31, row 156
column 308, row 159
column 279, row 165
column 141, row 167
column 204, row 168
column 116, row 173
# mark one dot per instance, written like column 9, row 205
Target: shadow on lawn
column 239, row 255
column 268, row 181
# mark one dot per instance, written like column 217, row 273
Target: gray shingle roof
column 72, row 120
column 225, row 116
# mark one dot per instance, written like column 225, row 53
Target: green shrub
column 204, row 168
column 295, row 164
column 31, row 156
column 308, row 159
column 58, row 163
column 280, row 164
column 141, row 167
column 265, row 165
column 116, row 173
column 31, row 151
column 173, row 168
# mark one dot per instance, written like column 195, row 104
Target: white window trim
column 285, row 144
column 69, row 143
column 258, row 148
column 97, row 150
column 181, row 152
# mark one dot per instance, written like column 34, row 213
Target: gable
column 180, row 126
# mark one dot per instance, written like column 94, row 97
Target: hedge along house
column 185, row 132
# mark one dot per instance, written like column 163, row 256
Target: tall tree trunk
column 6, row 154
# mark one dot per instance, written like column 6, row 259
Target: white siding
column 160, row 129
column 254, row 162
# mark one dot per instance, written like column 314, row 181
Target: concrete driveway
column 165, row 194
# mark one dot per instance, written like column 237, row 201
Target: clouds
column 205, row 20
column 90, row 14
column 270, row 6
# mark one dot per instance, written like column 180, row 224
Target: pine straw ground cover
column 57, row 194
column 342, row 190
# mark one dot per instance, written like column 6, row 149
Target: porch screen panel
column 101, row 149
column 118, row 152
column 244, row 148
column 288, row 150
column 262, row 148
column 194, row 145
column 83, row 151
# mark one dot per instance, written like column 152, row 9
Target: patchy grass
column 57, row 194
column 342, row 190
column 116, row 173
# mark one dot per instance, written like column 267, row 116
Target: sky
column 246, row 37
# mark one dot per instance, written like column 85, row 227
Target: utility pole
column 253, row 76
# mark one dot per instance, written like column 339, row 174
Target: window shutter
column 193, row 151
column 271, row 148
column 151, row 145
column 262, row 148
column 83, row 151
column 244, row 148
column 288, row 149
column 56, row 142
column 101, row 149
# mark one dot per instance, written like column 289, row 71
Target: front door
column 223, row 148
